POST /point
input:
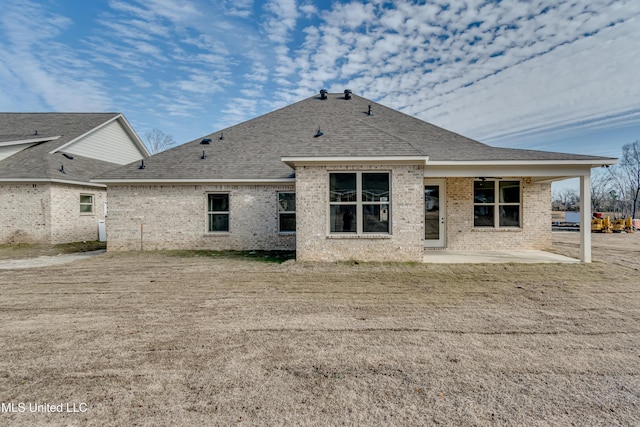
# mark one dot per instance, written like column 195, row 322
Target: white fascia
column 292, row 161
column 197, row 181
column 57, row 181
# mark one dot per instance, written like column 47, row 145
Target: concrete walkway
column 45, row 261
column 494, row 257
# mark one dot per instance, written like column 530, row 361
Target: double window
column 218, row 212
column 287, row 212
column 359, row 202
column 496, row 203
column 86, row 203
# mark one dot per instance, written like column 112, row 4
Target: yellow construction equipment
column 628, row 225
column 618, row 225
column 601, row 225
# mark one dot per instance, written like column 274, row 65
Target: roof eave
column 369, row 160
column 191, row 181
column 56, row 181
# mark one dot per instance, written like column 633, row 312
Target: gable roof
column 42, row 139
column 264, row 148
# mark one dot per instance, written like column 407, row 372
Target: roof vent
column 221, row 136
column 36, row 132
column 67, row 156
column 347, row 94
column 323, row 94
column 142, row 166
column 369, row 112
column 62, row 169
column 204, row 156
column 206, row 141
column 318, row 134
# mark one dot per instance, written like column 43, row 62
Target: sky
column 548, row 75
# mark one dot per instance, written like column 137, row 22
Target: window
column 86, row 203
column 496, row 203
column 287, row 212
column 218, row 212
column 359, row 202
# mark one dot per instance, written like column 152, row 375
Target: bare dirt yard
column 177, row 339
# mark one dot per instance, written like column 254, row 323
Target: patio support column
column 585, row 217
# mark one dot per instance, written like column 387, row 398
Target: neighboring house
column 339, row 177
column 46, row 162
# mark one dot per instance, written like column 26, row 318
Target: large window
column 359, row 202
column 86, row 203
column 496, row 203
column 287, row 212
column 218, row 212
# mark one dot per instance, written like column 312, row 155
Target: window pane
column 287, row 222
column 509, row 192
column 86, row 199
column 375, row 218
column 342, row 187
column 483, row 216
column 484, row 191
column 375, row 187
column 286, row 202
column 509, row 216
column 218, row 202
column 218, row 222
column 343, row 219
column 86, row 208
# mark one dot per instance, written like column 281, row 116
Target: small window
column 218, row 212
column 86, row 203
column 287, row 212
column 496, row 203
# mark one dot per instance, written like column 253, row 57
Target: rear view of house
column 337, row 177
column 46, row 162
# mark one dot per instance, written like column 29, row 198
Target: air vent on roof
column 347, row 94
column 67, row 156
column 62, row 169
column 206, row 141
column 323, row 94
column 221, row 136
column 204, row 156
column 36, row 132
column 318, row 134
column 369, row 112
column 142, row 166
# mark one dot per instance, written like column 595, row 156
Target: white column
column 585, row 217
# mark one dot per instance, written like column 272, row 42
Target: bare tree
column 566, row 199
column 157, row 141
column 626, row 175
column 601, row 185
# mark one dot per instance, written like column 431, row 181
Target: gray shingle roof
column 36, row 162
column 254, row 149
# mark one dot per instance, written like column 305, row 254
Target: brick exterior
column 315, row 243
column 536, row 219
column 48, row 213
column 175, row 217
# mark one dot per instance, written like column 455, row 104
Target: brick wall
column 536, row 219
column 175, row 217
column 48, row 213
column 25, row 213
column 69, row 224
column 314, row 242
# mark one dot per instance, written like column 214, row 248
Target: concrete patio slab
column 495, row 257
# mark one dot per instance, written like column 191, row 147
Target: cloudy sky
column 552, row 75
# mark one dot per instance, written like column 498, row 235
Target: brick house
column 337, row 177
column 46, row 162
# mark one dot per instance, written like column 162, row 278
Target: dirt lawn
column 165, row 339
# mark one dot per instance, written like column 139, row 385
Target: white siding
column 10, row 150
column 110, row 143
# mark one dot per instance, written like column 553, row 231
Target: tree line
column 613, row 189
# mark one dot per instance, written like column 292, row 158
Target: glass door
column 434, row 215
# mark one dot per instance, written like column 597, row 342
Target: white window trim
column 92, row 204
column 285, row 212
column 359, row 205
column 227, row 212
column 496, row 205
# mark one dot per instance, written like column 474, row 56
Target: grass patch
column 277, row 257
column 33, row 250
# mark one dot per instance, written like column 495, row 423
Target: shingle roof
column 36, row 162
column 254, row 149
